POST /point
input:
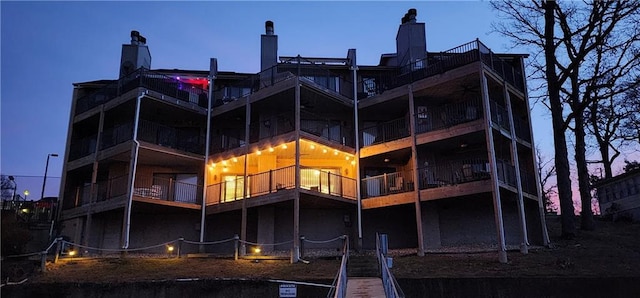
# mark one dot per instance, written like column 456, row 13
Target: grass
column 613, row 249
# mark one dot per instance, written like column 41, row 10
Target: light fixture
column 312, row 146
column 346, row 157
column 353, row 162
column 235, row 159
column 257, row 249
column 258, row 152
column 224, row 162
column 284, row 146
column 270, row 149
column 170, row 248
column 25, row 210
column 335, row 152
column 225, row 169
column 386, row 160
column 72, row 253
column 324, row 150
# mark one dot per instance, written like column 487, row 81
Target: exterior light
column 225, row 169
column 284, row 146
column 170, row 248
column 353, row 162
column 270, row 149
column 257, row 249
column 25, row 210
column 335, row 152
column 346, row 157
column 258, row 152
column 26, row 193
column 212, row 166
column 386, row 160
column 312, row 147
column 224, row 162
column 324, row 150
column 235, row 159
column 72, row 253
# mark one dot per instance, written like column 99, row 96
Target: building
column 433, row 148
column 619, row 196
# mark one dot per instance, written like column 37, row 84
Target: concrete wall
column 222, row 226
column 398, row 222
column 149, row 229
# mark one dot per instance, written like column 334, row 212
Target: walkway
column 361, row 287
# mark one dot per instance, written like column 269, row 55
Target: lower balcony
column 454, row 172
column 157, row 188
column 323, row 181
column 386, row 184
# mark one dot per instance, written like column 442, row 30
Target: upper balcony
column 186, row 91
column 438, row 63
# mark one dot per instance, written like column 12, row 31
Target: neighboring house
column 619, row 196
column 439, row 153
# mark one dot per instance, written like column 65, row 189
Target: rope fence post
column 180, row 240
column 302, row 246
column 235, row 246
column 43, row 261
column 59, row 244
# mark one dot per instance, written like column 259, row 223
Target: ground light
column 170, row 250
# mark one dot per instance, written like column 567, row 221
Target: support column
column 93, row 194
column 295, row 254
column 543, row 219
column 351, row 54
column 213, row 72
column 524, row 239
column 497, row 204
column 414, row 159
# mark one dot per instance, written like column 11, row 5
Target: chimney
column 411, row 42
column 135, row 55
column 268, row 47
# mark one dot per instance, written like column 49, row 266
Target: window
column 233, row 188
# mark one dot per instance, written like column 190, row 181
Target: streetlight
column 26, row 193
column 44, row 181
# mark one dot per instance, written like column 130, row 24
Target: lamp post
column 44, row 181
column 26, row 193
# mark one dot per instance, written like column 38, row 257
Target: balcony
column 82, row 147
column 233, row 188
column 167, row 189
column 187, row 139
column 144, row 78
column 386, row 184
column 438, row 63
column 326, row 128
column 281, row 124
column 384, row 132
column 116, row 135
column 454, row 172
column 506, row 173
column 528, row 181
column 500, row 116
column 521, row 127
column 445, row 116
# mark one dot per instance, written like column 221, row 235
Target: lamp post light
column 46, row 168
column 26, row 193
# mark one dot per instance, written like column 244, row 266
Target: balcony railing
column 116, row 135
column 329, row 129
column 454, row 172
column 284, row 123
column 440, row 117
column 522, row 128
column 111, row 188
column 169, row 86
column 83, row 147
column 224, row 142
column 437, row 63
column 385, row 132
column 387, row 184
column 185, row 139
column 528, row 182
column 500, row 116
column 275, row 180
column 506, row 173
column 167, row 189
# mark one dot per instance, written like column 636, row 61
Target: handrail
column 339, row 285
column 389, row 283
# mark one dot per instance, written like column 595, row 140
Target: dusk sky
column 48, row 46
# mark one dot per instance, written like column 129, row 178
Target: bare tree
column 584, row 29
column 546, row 171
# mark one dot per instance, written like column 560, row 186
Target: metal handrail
column 389, row 283
column 339, row 285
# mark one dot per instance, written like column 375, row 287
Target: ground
column 613, row 249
